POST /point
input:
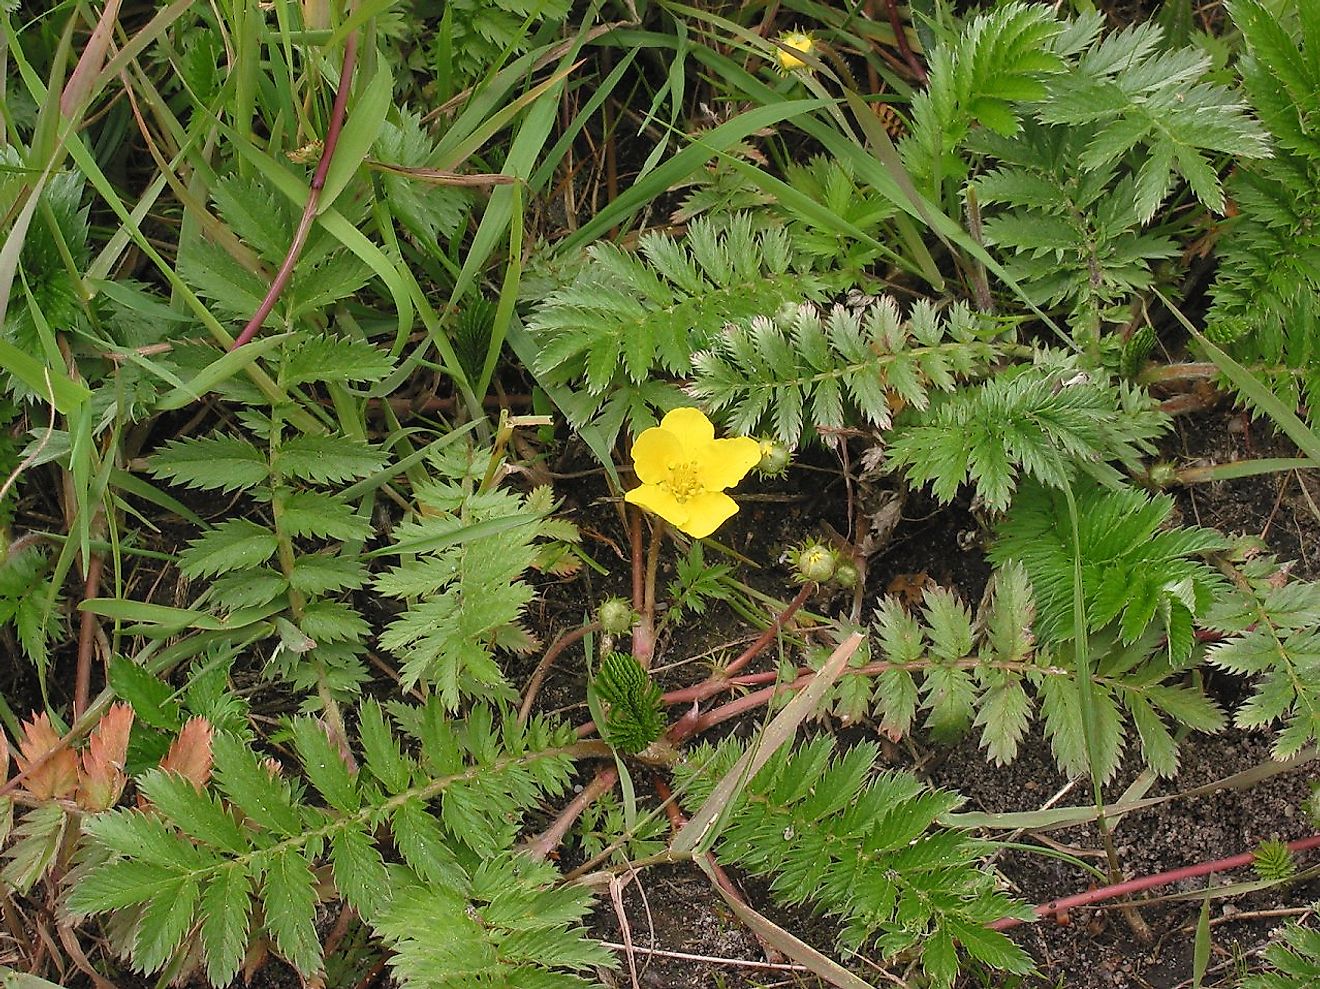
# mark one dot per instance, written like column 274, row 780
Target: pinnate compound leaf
column 289, row 900
column 142, row 837
column 233, row 545
column 359, row 870
column 422, row 843
column 328, row 459
column 990, row 947
column 324, row 765
column 319, row 574
column 164, row 923
column 212, row 463
column 51, row 766
column 310, row 513
column 190, row 753
column 1004, row 715
column 151, row 698
column 330, row 358
column 121, row 884
column 196, row 812
column 226, row 906
column 263, row 797
column 384, row 758
column 102, row 778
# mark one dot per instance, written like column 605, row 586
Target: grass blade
column 699, row 831
column 1252, row 388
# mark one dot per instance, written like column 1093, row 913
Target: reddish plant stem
column 1179, row 372
column 900, row 37
column 337, row 113
column 766, row 637
column 373, row 973
column 643, row 636
column 82, row 678
column 723, row 681
column 672, row 810
column 694, row 723
column 543, row 667
column 709, row 688
column 1150, row 882
column 548, row 840
column 638, row 560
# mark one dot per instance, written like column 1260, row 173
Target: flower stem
column 285, row 273
column 757, row 647
column 644, row 629
column 1150, row 882
column 543, row 667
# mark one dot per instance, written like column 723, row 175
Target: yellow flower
column 684, row 470
column 798, row 41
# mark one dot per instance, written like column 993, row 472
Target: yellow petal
column 706, row 513
column 658, row 501
column 690, row 426
column 723, row 463
column 797, row 41
column 654, row 452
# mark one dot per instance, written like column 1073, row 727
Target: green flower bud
column 615, row 616
column 1162, row 475
column 815, row 562
column 774, row 458
column 846, row 574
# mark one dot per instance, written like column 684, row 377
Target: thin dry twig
column 710, row 959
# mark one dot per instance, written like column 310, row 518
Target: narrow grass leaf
column 1252, row 388
column 699, row 829
column 217, row 372
column 359, row 133
column 791, row 945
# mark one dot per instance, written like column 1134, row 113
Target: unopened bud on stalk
column 815, row 562
column 774, row 458
column 615, row 616
column 846, row 574
column 1162, row 475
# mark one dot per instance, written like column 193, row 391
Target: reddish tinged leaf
column 102, row 779
column 190, row 755
column 79, row 87
column 337, row 739
column 51, row 767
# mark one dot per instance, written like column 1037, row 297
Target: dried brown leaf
column 50, row 765
column 190, row 755
column 102, row 778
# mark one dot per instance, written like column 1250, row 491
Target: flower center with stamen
column 684, row 482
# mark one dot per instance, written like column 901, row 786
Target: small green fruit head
column 615, row 616
column 1163, row 475
column 774, row 458
column 846, row 574
column 1312, row 805
column 815, row 562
